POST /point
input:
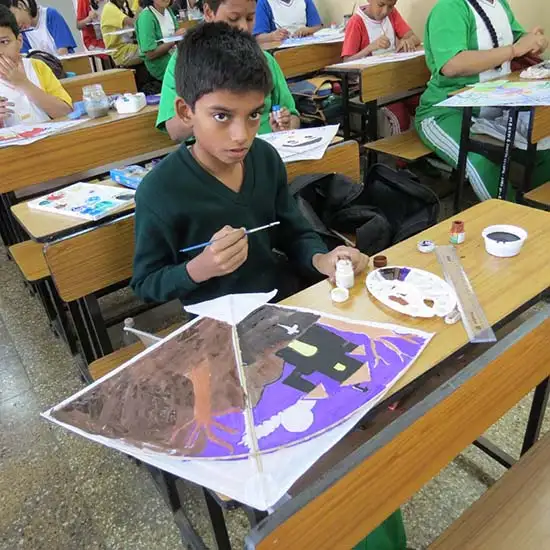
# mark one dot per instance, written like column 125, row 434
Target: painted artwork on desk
column 243, row 388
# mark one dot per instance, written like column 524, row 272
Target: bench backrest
column 114, row 81
column 304, row 60
column 93, row 260
column 387, row 79
column 342, row 158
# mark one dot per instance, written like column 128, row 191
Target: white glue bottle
column 344, row 274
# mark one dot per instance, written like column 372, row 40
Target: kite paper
column 246, row 397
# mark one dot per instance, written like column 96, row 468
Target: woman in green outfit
column 466, row 42
column 155, row 22
column 241, row 14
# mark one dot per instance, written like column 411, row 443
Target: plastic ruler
column 473, row 317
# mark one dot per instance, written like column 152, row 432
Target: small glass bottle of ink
column 344, row 274
column 457, row 235
column 276, row 110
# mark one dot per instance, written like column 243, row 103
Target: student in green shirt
column 225, row 181
column 155, row 22
column 240, row 14
column 466, row 42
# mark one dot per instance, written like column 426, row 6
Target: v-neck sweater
column 179, row 204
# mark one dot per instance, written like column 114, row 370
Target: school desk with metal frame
column 444, row 404
column 375, row 83
column 503, row 152
column 81, row 152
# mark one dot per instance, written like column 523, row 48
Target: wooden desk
column 82, row 62
column 377, row 82
column 114, row 81
column 303, row 60
column 93, row 144
column 45, row 226
column 503, row 152
column 384, row 465
column 188, row 23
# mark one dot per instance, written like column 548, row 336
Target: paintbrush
column 247, row 232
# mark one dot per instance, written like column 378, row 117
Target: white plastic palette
column 412, row 291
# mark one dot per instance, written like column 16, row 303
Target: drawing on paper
column 502, row 94
column 303, row 372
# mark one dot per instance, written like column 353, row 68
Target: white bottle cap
column 339, row 294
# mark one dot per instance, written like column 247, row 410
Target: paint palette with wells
column 412, row 291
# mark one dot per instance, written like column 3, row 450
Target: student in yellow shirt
column 29, row 91
column 118, row 15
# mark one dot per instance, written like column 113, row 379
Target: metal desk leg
column 345, row 97
column 530, row 161
column 462, row 157
column 536, row 415
column 511, row 126
column 103, row 342
column 218, row 521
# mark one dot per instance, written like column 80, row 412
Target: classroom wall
column 68, row 11
column 529, row 12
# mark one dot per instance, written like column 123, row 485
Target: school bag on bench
column 391, row 206
column 318, row 99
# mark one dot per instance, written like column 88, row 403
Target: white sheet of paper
column 373, row 60
column 171, row 39
column 302, row 144
column 129, row 30
column 313, row 39
column 87, row 53
column 50, row 128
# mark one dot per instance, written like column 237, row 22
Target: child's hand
column 530, row 43
column 381, row 43
column 282, row 121
column 222, row 257
column 279, row 35
column 406, row 45
column 180, row 32
column 301, row 32
column 5, row 109
column 326, row 263
column 12, row 72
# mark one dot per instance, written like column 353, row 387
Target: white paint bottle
column 344, row 274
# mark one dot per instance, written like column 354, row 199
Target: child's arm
column 157, row 275
column 264, row 26
column 381, row 43
column 313, row 21
column 351, row 49
column 52, row 105
column 58, row 28
column 408, row 43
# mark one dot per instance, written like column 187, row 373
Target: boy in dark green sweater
column 225, row 182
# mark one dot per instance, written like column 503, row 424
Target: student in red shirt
column 88, row 15
column 377, row 28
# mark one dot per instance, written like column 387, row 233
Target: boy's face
column 161, row 4
column 9, row 44
column 380, row 9
column 237, row 13
column 23, row 18
column 224, row 123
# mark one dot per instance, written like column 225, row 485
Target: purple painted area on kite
column 393, row 355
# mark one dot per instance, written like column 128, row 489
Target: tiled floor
column 61, row 492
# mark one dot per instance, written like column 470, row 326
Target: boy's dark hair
column 213, row 4
column 7, row 19
column 29, row 5
column 215, row 56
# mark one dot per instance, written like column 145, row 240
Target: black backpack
column 53, row 63
column 390, row 207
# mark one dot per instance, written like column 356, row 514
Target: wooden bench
column 29, row 258
column 539, row 196
column 406, row 146
column 514, row 514
column 114, row 81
